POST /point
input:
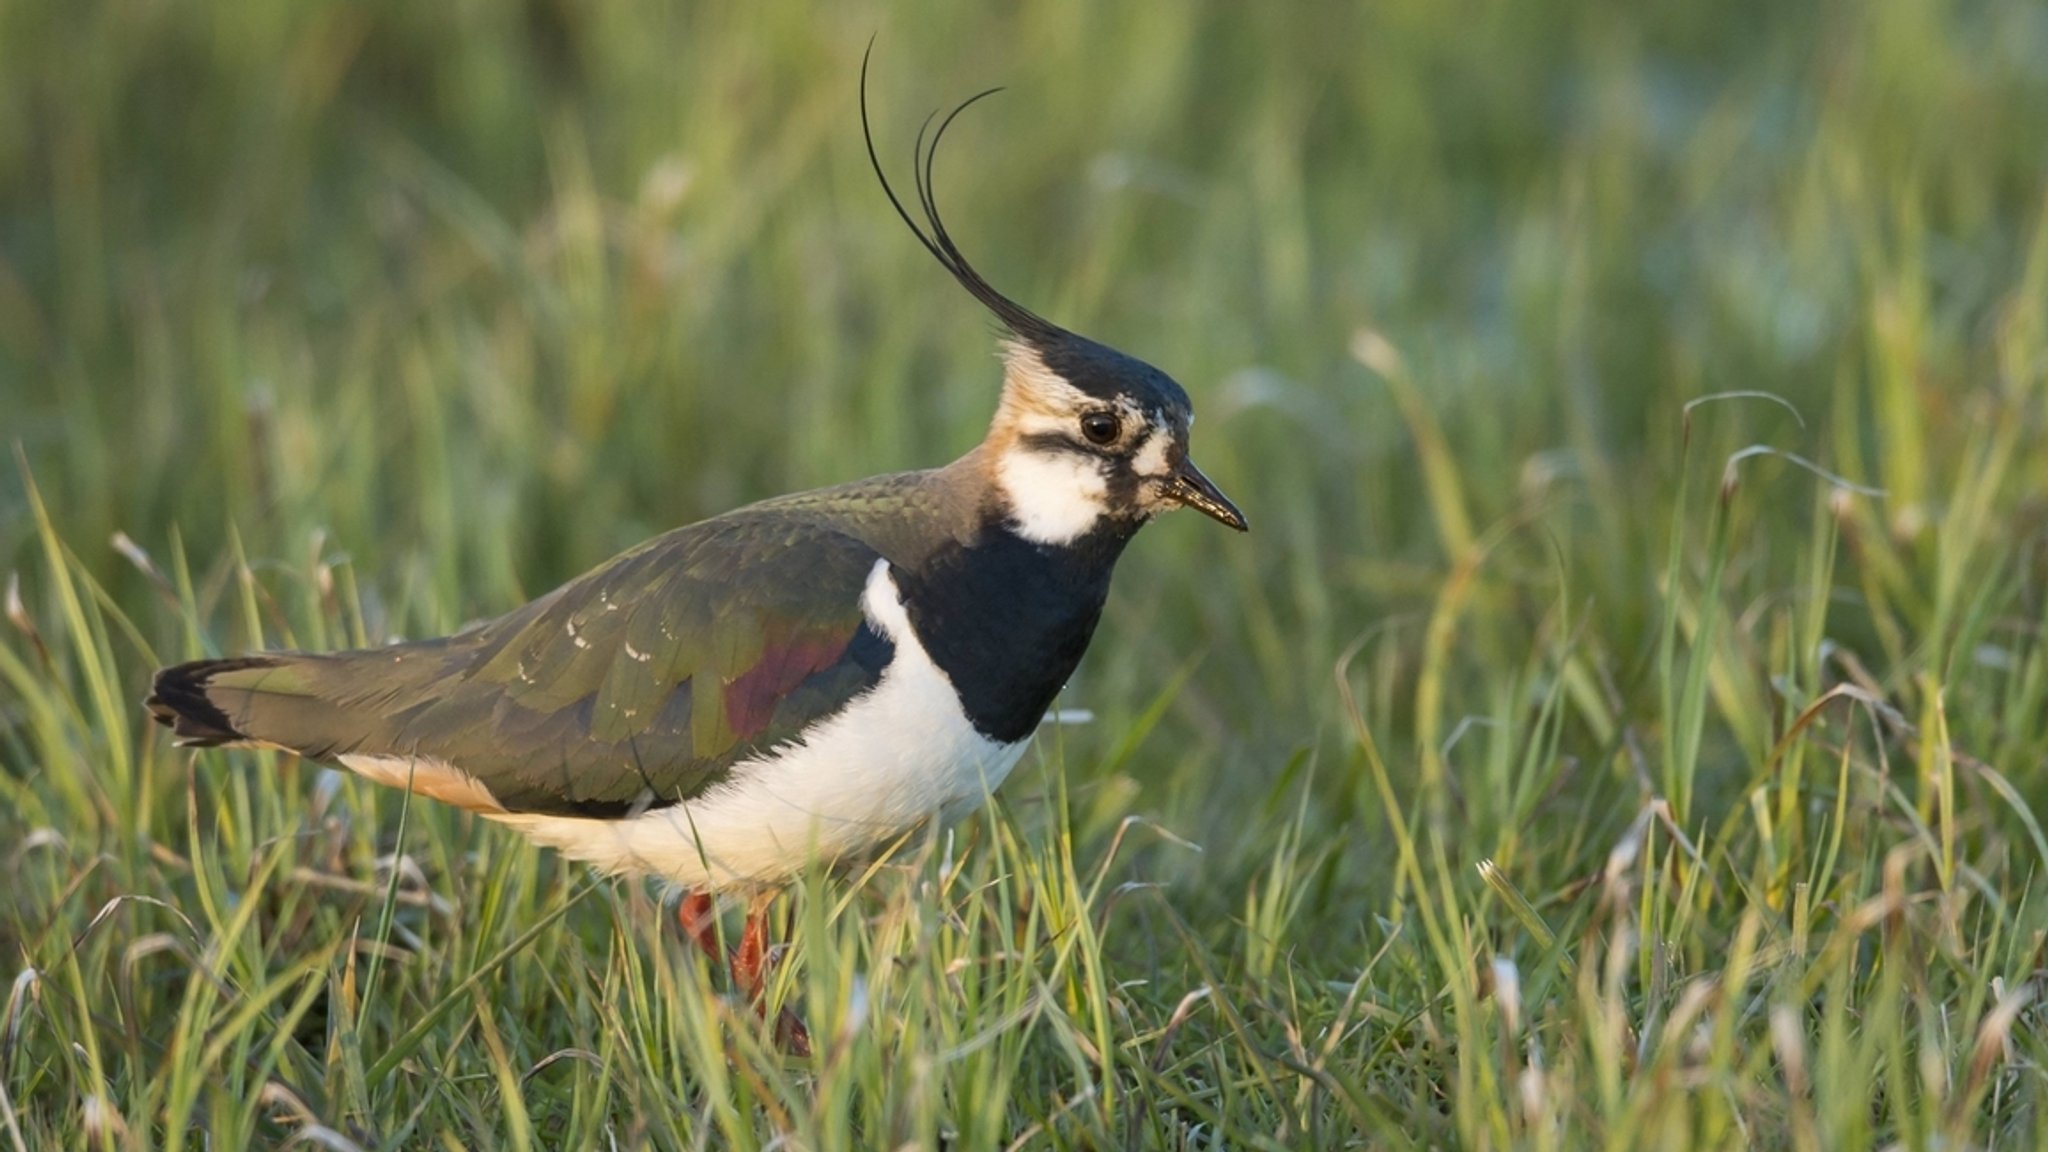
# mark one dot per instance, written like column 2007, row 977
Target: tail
column 318, row 704
column 346, row 708
column 286, row 700
column 179, row 700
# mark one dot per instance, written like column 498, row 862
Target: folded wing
column 637, row 685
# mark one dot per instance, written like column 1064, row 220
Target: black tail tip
column 178, row 701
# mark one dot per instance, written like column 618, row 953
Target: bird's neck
column 1007, row 618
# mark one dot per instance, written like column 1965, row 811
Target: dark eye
column 1101, row 427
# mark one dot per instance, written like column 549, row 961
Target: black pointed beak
column 1194, row 490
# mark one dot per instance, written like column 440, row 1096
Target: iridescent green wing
column 645, row 680
column 642, row 682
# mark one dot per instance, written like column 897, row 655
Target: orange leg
column 750, row 965
column 698, row 914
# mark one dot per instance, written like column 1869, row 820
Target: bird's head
column 1084, row 436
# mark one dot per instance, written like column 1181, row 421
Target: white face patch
column 1151, row 457
column 1054, row 496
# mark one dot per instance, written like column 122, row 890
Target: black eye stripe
column 1055, row 442
column 1067, row 442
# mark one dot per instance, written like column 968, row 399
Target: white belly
column 901, row 754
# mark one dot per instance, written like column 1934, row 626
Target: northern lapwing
column 805, row 678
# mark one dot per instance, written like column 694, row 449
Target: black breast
column 1006, row 620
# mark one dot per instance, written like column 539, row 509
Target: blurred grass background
column 364, row 319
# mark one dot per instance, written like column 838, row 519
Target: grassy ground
column 1624, row 728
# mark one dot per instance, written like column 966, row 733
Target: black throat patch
column 1007, row 620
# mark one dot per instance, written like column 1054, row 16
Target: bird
column 802, row 679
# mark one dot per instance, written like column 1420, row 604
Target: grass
column 1624, row 728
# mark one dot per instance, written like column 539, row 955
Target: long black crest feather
column 1021, row 321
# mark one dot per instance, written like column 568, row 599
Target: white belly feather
column 902, row 753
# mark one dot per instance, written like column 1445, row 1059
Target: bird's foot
column 790, row 1034
column 750, row 965
column 753, row 963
